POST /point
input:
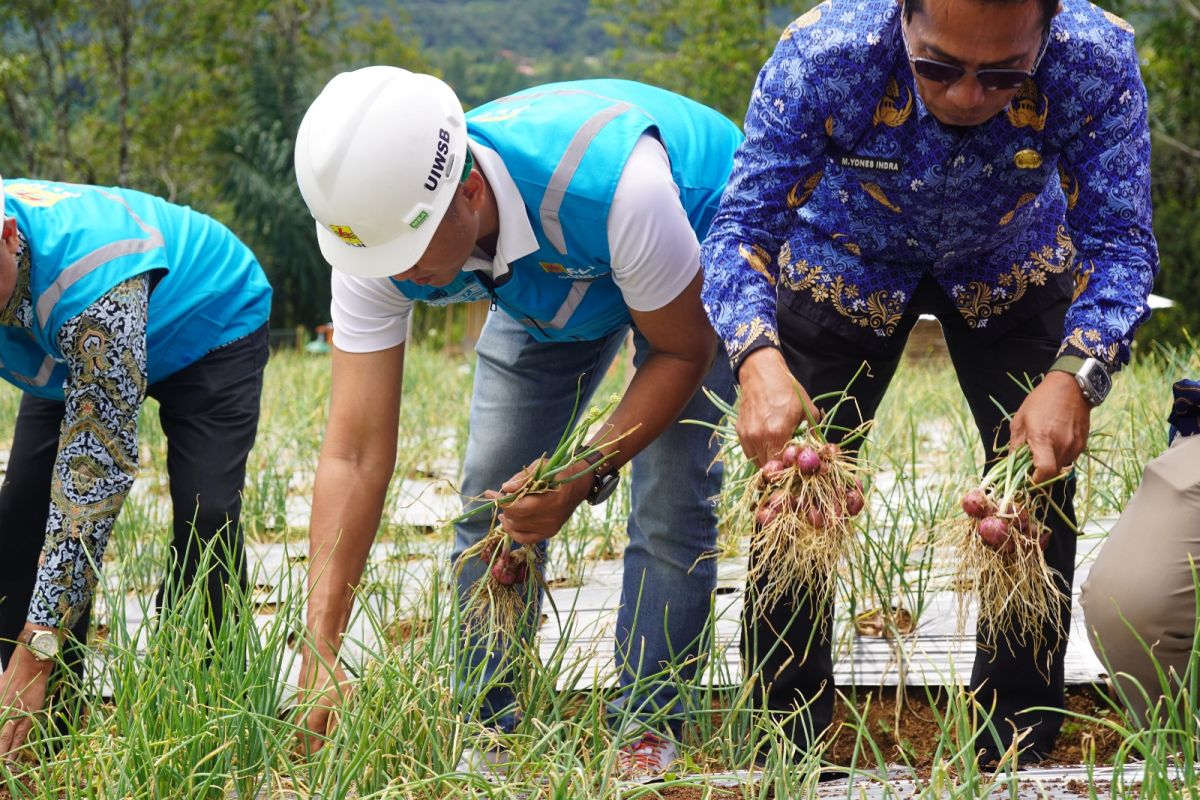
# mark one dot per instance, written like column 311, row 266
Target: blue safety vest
column 565, row 146
column 84, row 240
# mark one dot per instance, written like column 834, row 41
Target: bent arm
column 105, row 350
column 682, row 346
column 1105, row 172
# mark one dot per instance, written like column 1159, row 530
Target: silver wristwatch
column 1089, row 373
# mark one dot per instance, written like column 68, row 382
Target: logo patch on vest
column 555, row 269
column 38, row 196
column 347, row 235
column 501, row 114
column 872, row 163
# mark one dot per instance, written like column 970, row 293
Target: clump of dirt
column 1079, row 741
column 699, row 793
column 879, row 624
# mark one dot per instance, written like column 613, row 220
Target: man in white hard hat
column 576, row 208
column 108, row 296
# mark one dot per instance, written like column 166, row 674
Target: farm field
column 170, row 717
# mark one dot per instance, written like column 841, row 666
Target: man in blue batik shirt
column 985, row 161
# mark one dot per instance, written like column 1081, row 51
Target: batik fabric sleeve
column 1105, row 172
column 105, row 348
column 774, row 173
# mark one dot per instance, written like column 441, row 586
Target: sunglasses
column 990, row 78
column 468, row 165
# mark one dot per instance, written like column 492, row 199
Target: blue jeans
column 523, row 396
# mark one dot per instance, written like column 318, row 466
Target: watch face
column 44, row 645
column 1100, row 382
column 1094, row 380
column 604, row 487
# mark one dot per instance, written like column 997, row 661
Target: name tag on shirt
column 873, row 163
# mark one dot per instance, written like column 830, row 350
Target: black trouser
column 209, row 413
column 788, row 647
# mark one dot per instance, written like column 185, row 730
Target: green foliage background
column 199, row 100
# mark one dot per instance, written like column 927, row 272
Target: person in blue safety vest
column 576, row 209
column 984, row 161
column 108, row 296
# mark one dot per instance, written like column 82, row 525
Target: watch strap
column 601, row 476
column 1071, row 364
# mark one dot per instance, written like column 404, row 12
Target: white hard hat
column 379, row 155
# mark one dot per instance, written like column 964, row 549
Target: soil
column 919, row 732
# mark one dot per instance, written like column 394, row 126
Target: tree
column 194, row 100
column 709, row 50
column 296, row 48
column 1167, row 33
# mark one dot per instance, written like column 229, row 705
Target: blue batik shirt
column 847, row 191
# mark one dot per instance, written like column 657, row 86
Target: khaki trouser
column 1143, row 579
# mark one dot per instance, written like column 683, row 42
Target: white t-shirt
column 655, row 253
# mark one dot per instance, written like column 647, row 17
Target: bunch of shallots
column 803, row 506
column 501, row 599
column 1000, row 548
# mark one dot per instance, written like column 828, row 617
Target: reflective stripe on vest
column 42, row 377
column 574, row 298
column 97, row 258
column 568, row 165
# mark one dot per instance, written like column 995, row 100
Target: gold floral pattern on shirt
column 889, row 112
column 1023, row 109
column 754, row 332
column 878, row 195
column 805, row 20
column 1120, row 23
column 1021, row 201
column 758, row 259
column 845, row 242
column 978, row 301
column 1083, row 276
column 799, row 275
column 879, row 311
column 1070, row 186
column 803, row 189
column 1089, row 342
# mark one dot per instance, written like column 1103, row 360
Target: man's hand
column 22, row 694
column 773, row 405
column 321, row 694
column 1054, row 420
column 538, row 516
